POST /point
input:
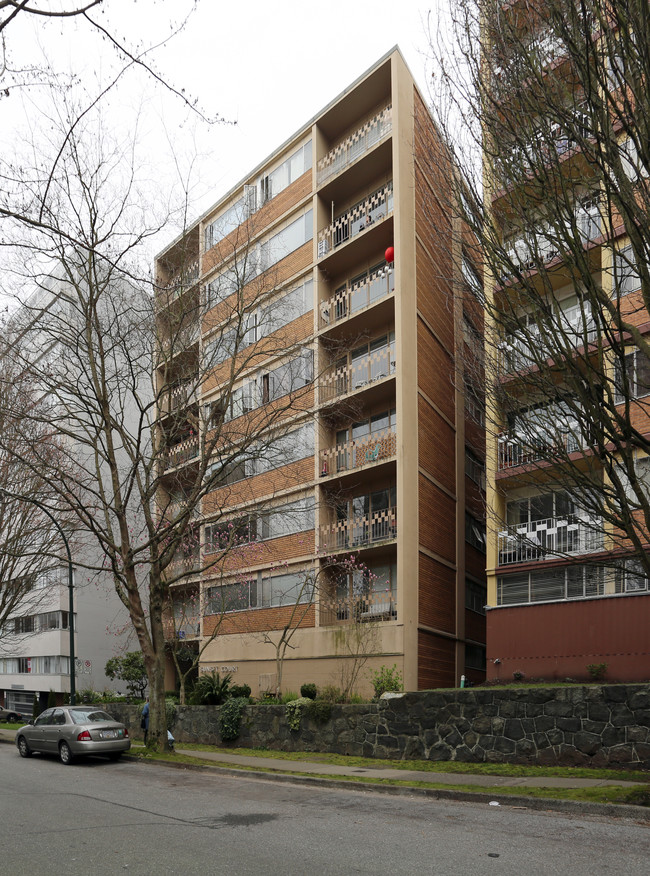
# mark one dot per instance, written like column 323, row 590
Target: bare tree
column 28, row 547
column 555, row 96
column 120, row 361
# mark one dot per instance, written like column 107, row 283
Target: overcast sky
column 268, row 66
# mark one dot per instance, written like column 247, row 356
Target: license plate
column 108, row 734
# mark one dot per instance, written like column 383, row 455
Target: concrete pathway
column 287, row 767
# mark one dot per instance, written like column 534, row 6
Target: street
column 100, row 818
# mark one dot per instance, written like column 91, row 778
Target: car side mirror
column 31, row 721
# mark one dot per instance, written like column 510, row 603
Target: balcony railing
column 549, row 539
column 182, row 452
column 357, row 295
column 185, row 563
column 181, row 396
column 517, row 353
column 362, row 215
column 181, row 340
column 378, row 605
column 354, row 454
column 358, row 374
column 515, row 450
column 359, row 531
column 348, row 150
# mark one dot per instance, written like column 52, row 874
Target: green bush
column 288, row 697
column 293, row 711
column 211, row 689
column 331, row 694
column 230, row 717
column 269, row 699
column 240, row 690
column 597, row 671
column 170, row 712
column 309, row 690
column 385, row 679
column 319, row 711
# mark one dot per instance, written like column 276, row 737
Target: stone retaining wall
column 595, row 725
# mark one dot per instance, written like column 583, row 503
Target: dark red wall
column 556, row 640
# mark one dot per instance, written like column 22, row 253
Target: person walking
column 144, row 723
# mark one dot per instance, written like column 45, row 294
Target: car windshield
column 89, row 716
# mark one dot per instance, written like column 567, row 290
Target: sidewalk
column 325, row 774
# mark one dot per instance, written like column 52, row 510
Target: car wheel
column 13, row 719
column 65, row 754
column 23, row 749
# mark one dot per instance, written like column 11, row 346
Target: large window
column 626, row 274
column 286, row 241
column 273, row 453
column 289, row 171
column 261, row 591
column 368, row 593
column 630, row 577
column 276, row 522
column 475, row 532
column 631, row 378
column 570, row 582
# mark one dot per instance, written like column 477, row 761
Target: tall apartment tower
column 335, row 267
column 567, row 437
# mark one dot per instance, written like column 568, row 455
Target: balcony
column 372, row 209
column 576, row 323
column 185, row 562
column 182, row 452
column 180, row 396
column 356, row 295
column 515, row 450
column 549, row 539
column 358, row 373
column 347, row 151
column 371, row 606
column 178, row 283
column 180, row 340
column 352, row 455
column 359, row 530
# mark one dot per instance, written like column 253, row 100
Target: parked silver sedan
column 73, row 731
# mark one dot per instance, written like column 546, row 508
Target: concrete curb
column 576, row 808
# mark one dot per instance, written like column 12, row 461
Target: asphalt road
column 97, row 818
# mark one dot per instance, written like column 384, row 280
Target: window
column 287, row 589
column 474, row 404
column 475, row 532
column 475, row 657
column 286, row 519
column 632, row 377
column 475, row 596
column 227, row 222
column 642, row 472
column 474, row 468
column 289, row 171
column 571, row 582
column 630, row 577
column 221, row 535
column 472, row 278
column 237, row 596
column 286, row 241
column 260, row 592
column 626, row 275
column 371, row 593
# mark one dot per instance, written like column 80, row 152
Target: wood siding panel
column 436, row 445
column 435, row 371
column 436, row 661
column 437, row 595
column 437, row 524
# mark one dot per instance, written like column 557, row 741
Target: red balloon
column 390, row 254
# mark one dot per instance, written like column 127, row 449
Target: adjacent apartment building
column 568, row 432
column 316, row 315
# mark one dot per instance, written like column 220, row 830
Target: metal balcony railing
column 357, row 295
column 374, row 208
column 354, row 146
column 184, row 563
column 181, row 396
column 182, row 452
column 548, row 539
column 358, row 373
column 517, row 353
column 371, row 606
column 515, row 449
column 359, row 531
column 354, row 454
column 181, row 340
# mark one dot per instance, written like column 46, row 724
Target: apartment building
column 567, row 441
column 315, row 315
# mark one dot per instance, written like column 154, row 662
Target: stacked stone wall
column 595, row 725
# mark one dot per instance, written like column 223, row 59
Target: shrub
column 319, row 711
column 518, row 676
column 268, row 698
column 385, row 679
column 357, row 700
column 308, row 690
column 597, row 671
column 288, row 697
column 211, row 689
column 240, row 690
column 331, row 694
column 170, row 712
column 230, row 717
column 293, row 712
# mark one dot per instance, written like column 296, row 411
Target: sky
column 265, row 67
